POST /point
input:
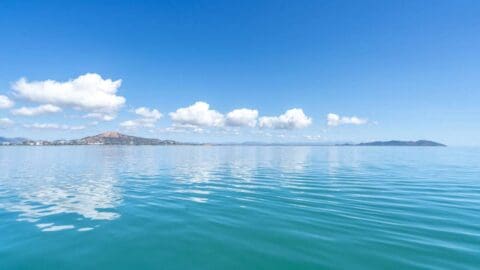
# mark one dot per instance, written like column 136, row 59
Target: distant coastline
column 397, row 143
column 116, row 138
column 107, row 138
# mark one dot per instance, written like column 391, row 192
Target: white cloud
column 5, row 122
column 148, row 113
column 185, row 128
column 5, row 102
column 53, row 126
column 336, row 120
column 88, row 92
column 291, row 119
column 129, row 124
column 32, row 111
column 242, row 118
column 148, row 120
column 198, row 114
column 143, row 122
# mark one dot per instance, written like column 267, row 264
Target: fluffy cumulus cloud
column 148, row 118
column 242, row 118
column 149, row 113
column 336, row 120
column 5, row 102
column 141, row 122
column 197, row 115
column 53, row 126
column 32, row 111
column 291, row 119
column 89, row 92
column 5, row 122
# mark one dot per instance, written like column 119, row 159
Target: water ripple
column 240, row 207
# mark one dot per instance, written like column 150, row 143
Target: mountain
column 116, row 138
column 107, row 138
column 401, row 143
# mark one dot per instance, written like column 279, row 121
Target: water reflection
column 62, row 188
column 84, row 198
column 343, row 158
column 201, row 171
column 56, row 192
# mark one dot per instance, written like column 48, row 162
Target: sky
column 234, row 71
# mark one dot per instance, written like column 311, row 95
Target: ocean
column 239, row 207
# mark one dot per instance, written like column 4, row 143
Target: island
column 107, row 138
column 397, row 143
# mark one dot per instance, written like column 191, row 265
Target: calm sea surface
column 183, row 207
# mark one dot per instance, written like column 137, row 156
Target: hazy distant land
column 396, row 143
column 116, row 138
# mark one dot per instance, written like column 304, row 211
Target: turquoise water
column 187, row 207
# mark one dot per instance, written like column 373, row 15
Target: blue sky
column 381, row 69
